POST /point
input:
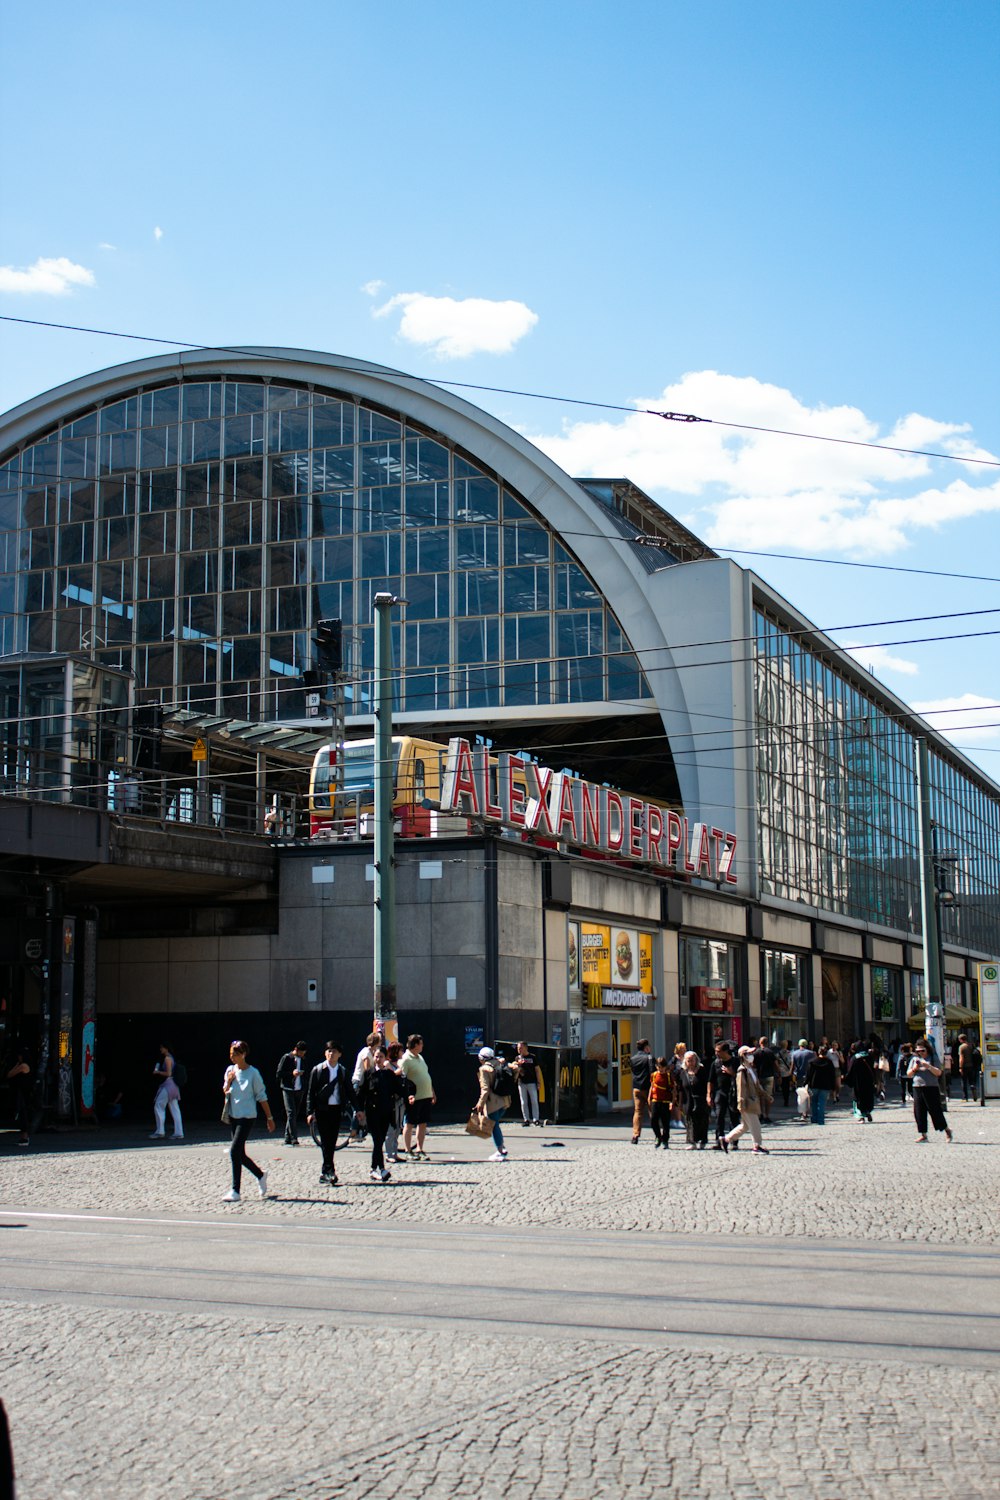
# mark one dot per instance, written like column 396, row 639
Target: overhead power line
column 499, row 390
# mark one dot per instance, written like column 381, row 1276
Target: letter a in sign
column 459, row 792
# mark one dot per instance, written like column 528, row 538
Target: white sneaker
column 498, row 1156
column 375, row 1175
column 262, row 1184
column 158, row 1135
column 232, row 1196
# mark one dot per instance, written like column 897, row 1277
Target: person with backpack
column 168, row 1094
column 289, row 1081
column 496, row 1089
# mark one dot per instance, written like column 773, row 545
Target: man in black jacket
column 642, row 1072
column 289, row 1079
column 330, row 1092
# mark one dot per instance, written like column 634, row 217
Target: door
column 840, row 1001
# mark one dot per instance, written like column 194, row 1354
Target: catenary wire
column 632, row 410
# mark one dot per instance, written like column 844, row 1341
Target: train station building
column 179, row 525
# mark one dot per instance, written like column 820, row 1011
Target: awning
column 954, row 1015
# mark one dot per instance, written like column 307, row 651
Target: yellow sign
column 595, row 957
column 646, row 963
column 199, row 750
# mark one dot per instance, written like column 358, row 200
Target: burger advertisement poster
column 618, row 958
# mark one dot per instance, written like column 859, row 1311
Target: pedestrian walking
column 694, row 1082
column 422, row 1099
column 168, row 1096
column 970, row 1063
column 836, row 1057
column 722, row 1092
column 902, row 1070
column 394, row 1057
column 924, row 1074
column 860, row 1078
column 526, row 1072
column 821, row 1079
column 20, row 1075
column 380, row 1088
column 765, row 1064
column 784, row 1070
column 364, row 1061
column 642, row 1071
column 676, row 1065
column 801, row 1058
column 244, row 1091
column 662, row 1098
column 491, row 1104
column 328, row 1093
column 748, row 1103
column 290, row 1081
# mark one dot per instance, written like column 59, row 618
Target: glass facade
column 194, row 534
column 837, row 802
column 786, row 986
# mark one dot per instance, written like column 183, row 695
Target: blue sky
column 784, row 214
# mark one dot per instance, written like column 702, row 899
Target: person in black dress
column 861, row 1080
column 694, row 1083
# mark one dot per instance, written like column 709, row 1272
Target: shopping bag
column 802, row 1098
column 478, row 1125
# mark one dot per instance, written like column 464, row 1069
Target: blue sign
column 473, row 1039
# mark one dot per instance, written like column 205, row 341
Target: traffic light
column 330, row 645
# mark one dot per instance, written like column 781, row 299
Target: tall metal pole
column 385, row 866
column 934, row 1012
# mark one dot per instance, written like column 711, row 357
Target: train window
column 419, row 782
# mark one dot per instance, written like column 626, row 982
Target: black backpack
column 180, row 1075
column 504, row 1083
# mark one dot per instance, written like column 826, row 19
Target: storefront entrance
column 706, row 1031
column 610, row 1041
column 841, row 991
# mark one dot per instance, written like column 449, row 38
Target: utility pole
column 385, row 863
column 933, row 989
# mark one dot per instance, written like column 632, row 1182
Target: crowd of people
column 386, row 1099
column 736, row 1086
column 388, row 1096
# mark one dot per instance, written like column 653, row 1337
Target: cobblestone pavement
column 114, row 1401
column 265, row 1420
column 845, row 1179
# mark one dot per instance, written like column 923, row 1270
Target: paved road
column 481, row 1330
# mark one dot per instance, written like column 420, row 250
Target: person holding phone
column 923, row 1074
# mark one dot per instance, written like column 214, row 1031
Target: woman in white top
column 244, row 1090
column 167, row 1095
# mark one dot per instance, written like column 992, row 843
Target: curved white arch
column 638, row 600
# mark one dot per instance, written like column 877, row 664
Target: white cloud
column 967, row 718
column 47, row 277
column 372, row 288
column 877, row 659
column 759, row 489
column 106, row 245
column 453, row 328
column 157, row 233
